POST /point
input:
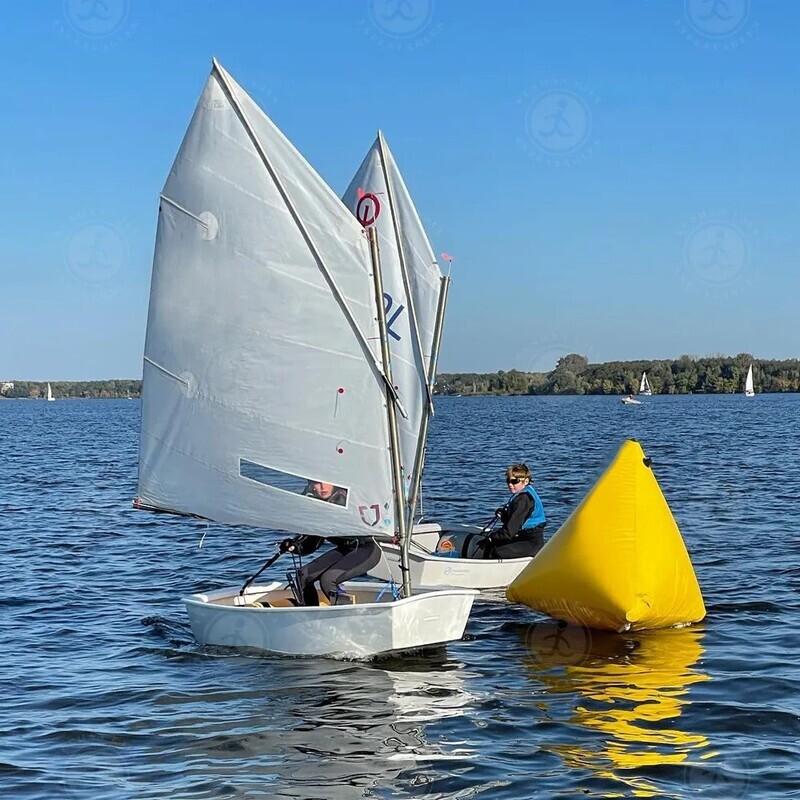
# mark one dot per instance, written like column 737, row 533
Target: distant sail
column 644, row 385
column 261, row 370
column 748, row 383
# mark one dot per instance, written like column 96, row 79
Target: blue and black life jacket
column 537, row 516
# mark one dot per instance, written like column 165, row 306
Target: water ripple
column 105, row 694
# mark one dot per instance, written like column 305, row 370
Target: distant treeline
column 686, row 375
column 93, row 389
column 572, row 375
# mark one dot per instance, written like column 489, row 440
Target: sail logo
column 390, row 320
column 376, row 512
column 368, row 209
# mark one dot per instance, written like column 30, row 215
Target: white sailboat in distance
column 273, row 370
column 749, row 391
column 50, row 397
column 644, row 386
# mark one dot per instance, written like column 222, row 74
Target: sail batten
column 265, row 313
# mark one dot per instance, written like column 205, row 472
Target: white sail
column 260, row 360
column 644, row 385
column 378, row 196
column 748, row 382
column 49, row 393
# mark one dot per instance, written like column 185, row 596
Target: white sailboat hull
column 374, row 625
column 431, row 570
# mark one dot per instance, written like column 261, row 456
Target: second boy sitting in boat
column 522, row 519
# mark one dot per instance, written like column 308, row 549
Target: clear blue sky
column 618, row 179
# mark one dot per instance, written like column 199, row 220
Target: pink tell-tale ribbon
column 447, row 257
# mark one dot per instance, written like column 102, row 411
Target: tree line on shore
column 85, row 389
column 686, row 375
column 573, row 374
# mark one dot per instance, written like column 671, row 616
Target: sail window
column 311, row 488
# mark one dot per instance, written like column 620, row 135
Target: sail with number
column 413, row 286
column 748, row 383
column 261, row 370
column 644, row 385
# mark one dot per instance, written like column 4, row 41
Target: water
column 104, row 693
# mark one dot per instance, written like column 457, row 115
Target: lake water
column 105, row 694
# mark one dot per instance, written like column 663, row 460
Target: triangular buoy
column 619, row 562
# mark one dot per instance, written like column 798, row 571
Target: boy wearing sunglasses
column 522, row 519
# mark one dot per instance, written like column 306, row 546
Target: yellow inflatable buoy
column 618, row 563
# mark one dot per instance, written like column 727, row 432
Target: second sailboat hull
column 429, row 569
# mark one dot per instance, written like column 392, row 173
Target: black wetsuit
column 512, row 540
column 349, row 558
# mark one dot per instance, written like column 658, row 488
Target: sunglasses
column 514, row 481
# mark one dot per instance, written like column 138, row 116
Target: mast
column 419, row 460
column 391, row 413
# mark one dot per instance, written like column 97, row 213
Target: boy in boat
column 350, row 558
column 522, row 518
column 327, row 492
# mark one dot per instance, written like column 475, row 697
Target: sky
column 614, row 179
